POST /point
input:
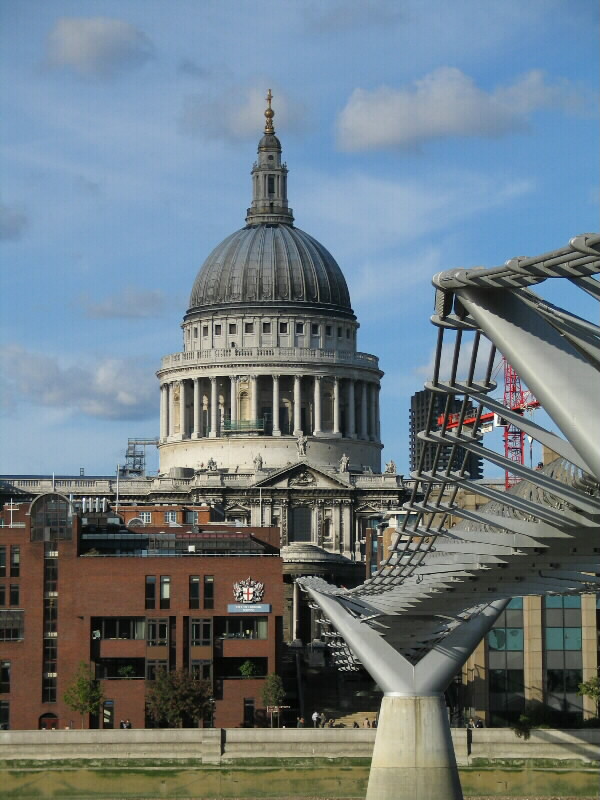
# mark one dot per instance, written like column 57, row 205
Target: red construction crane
column 515, row 398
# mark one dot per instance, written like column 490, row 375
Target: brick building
column 128, row 600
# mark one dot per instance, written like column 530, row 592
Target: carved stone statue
column 390, row 468
column 344, row 463
column 258, row 462
column 301, row 443
column 211, row 465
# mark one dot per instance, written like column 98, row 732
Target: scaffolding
column 135, row 458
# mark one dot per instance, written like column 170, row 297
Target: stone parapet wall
column 222, row 745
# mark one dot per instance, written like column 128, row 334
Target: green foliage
column 176, row 697
column 84, row 695
column 273, row 691
column 590, row 688
column 522, row 727
column 248, row 669
column 127, row 671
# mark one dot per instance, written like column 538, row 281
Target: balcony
column 267, row 355
column 243, row 426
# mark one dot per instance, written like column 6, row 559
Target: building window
column 170, row 516
column 271, row 185
column 194, row 591
column 50, row 617
column 300, row 328
column 118, row 628
column 506, row 664
column 248, row 327
column 2, row 561
column 283, row 327
column 242, row 627
column 15, row 560
column 232, row 327
column 191, row 517
column 218, row 329
column 339, row 332
column 4, row 716
column 347, row 333
column 266, row 327
column 209, row 591
column 165, row 591
column 205, row 331
column 14, row 594
column 5, row 677
column 146, row 517
column 50, row 574
column 11, row 626
column 2, row 594
column 195, row 332
column 157, row 632
column 200, row 632
column 314, row 329
column 51, row 519
column 150, row 591
column 201, row 670
column 152, row 667
column 328, row 330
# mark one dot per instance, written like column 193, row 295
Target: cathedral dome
column 270, row 263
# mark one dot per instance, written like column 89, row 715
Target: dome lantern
column 269, row 179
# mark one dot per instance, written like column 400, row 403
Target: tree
column 273, row 692
column 175, row 697
column 591, row 689
column 84, row 695
column 248, row 669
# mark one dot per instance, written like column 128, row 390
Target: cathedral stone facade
column 269, row 413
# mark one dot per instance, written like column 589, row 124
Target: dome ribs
column 270, row 263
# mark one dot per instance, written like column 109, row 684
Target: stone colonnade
column 275, row 405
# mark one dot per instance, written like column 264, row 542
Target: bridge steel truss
column 416, row 621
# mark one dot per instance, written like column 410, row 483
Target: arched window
column 244, row 405
column 301, row 527
column 51, row 518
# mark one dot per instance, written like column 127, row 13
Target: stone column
column 346, row 538
column 233, row 399
column 377, row 420
column 276, row 430
column 214, row 407
column 373, row 411
column 254, row 398
column 351, row 411
column 363, row 411
column 164, row 411
column 183, row 428
column 295, row 611
column 297, row 406
column 171, row 390
column 197, row 433
column 337, row 519
column 336, row 406
column 317, row 403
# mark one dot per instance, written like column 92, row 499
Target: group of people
column 366, row 723
column 475, row 723
column 125, row 724
column 319, row 720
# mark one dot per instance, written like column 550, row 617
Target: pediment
column 236, row 507
column 302, row 475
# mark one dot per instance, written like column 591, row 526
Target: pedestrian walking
column 315, row 719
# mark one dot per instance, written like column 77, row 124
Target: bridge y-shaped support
column 413, row 758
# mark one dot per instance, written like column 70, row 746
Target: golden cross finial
column 269, row 114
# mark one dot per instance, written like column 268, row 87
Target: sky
column 420, row 135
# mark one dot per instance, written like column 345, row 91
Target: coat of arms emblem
column 248, row 591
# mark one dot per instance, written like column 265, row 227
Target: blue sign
column 249, row 608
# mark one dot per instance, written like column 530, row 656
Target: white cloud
column 128, row 303
column 236, row 117
column 97, row 47
column 366, row 215
column 13, row 222
column 111, row 388
column 447, row 103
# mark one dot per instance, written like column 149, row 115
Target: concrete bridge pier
column 413, row 758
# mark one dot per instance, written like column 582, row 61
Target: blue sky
column 420, row 136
